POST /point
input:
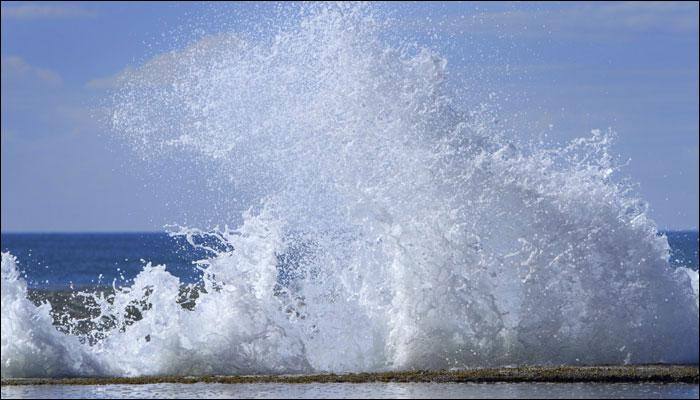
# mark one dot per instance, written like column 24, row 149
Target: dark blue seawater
column 57, row 260
column 684, row 248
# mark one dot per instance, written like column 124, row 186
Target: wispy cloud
column 102, row 83
column 44, row 11
column 108, row 82
column 15, row 68
column 40, row 104
column 583, row 19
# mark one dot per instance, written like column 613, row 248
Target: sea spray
column 384, row 228
column 31, row 345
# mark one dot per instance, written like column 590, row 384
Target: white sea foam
column 385, row 231
column 31, row 345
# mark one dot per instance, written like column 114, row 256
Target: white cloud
column 102, row 83
column 42, row 11
column 15, row 68
column 108, row 82
column 583, row 19
column 160, row 70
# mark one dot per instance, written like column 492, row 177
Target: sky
column 559, row 68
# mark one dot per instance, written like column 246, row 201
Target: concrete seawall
column 642, row 373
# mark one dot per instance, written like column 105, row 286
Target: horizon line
column 38, row 232
column 15, row 232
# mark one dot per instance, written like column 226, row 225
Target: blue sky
column 560, row 68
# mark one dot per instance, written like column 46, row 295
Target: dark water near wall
column 363, row 390
column 684, row 248
column 57, row 260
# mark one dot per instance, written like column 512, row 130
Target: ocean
column 60, row 261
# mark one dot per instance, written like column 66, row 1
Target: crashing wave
column 383, row 229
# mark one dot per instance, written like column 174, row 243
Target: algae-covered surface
column 602, row 374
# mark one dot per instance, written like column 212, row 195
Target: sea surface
column 363, row 390
column 55, row 261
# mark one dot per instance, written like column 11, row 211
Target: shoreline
column 567, row 374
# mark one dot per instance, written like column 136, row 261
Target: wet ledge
column 646, row 373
